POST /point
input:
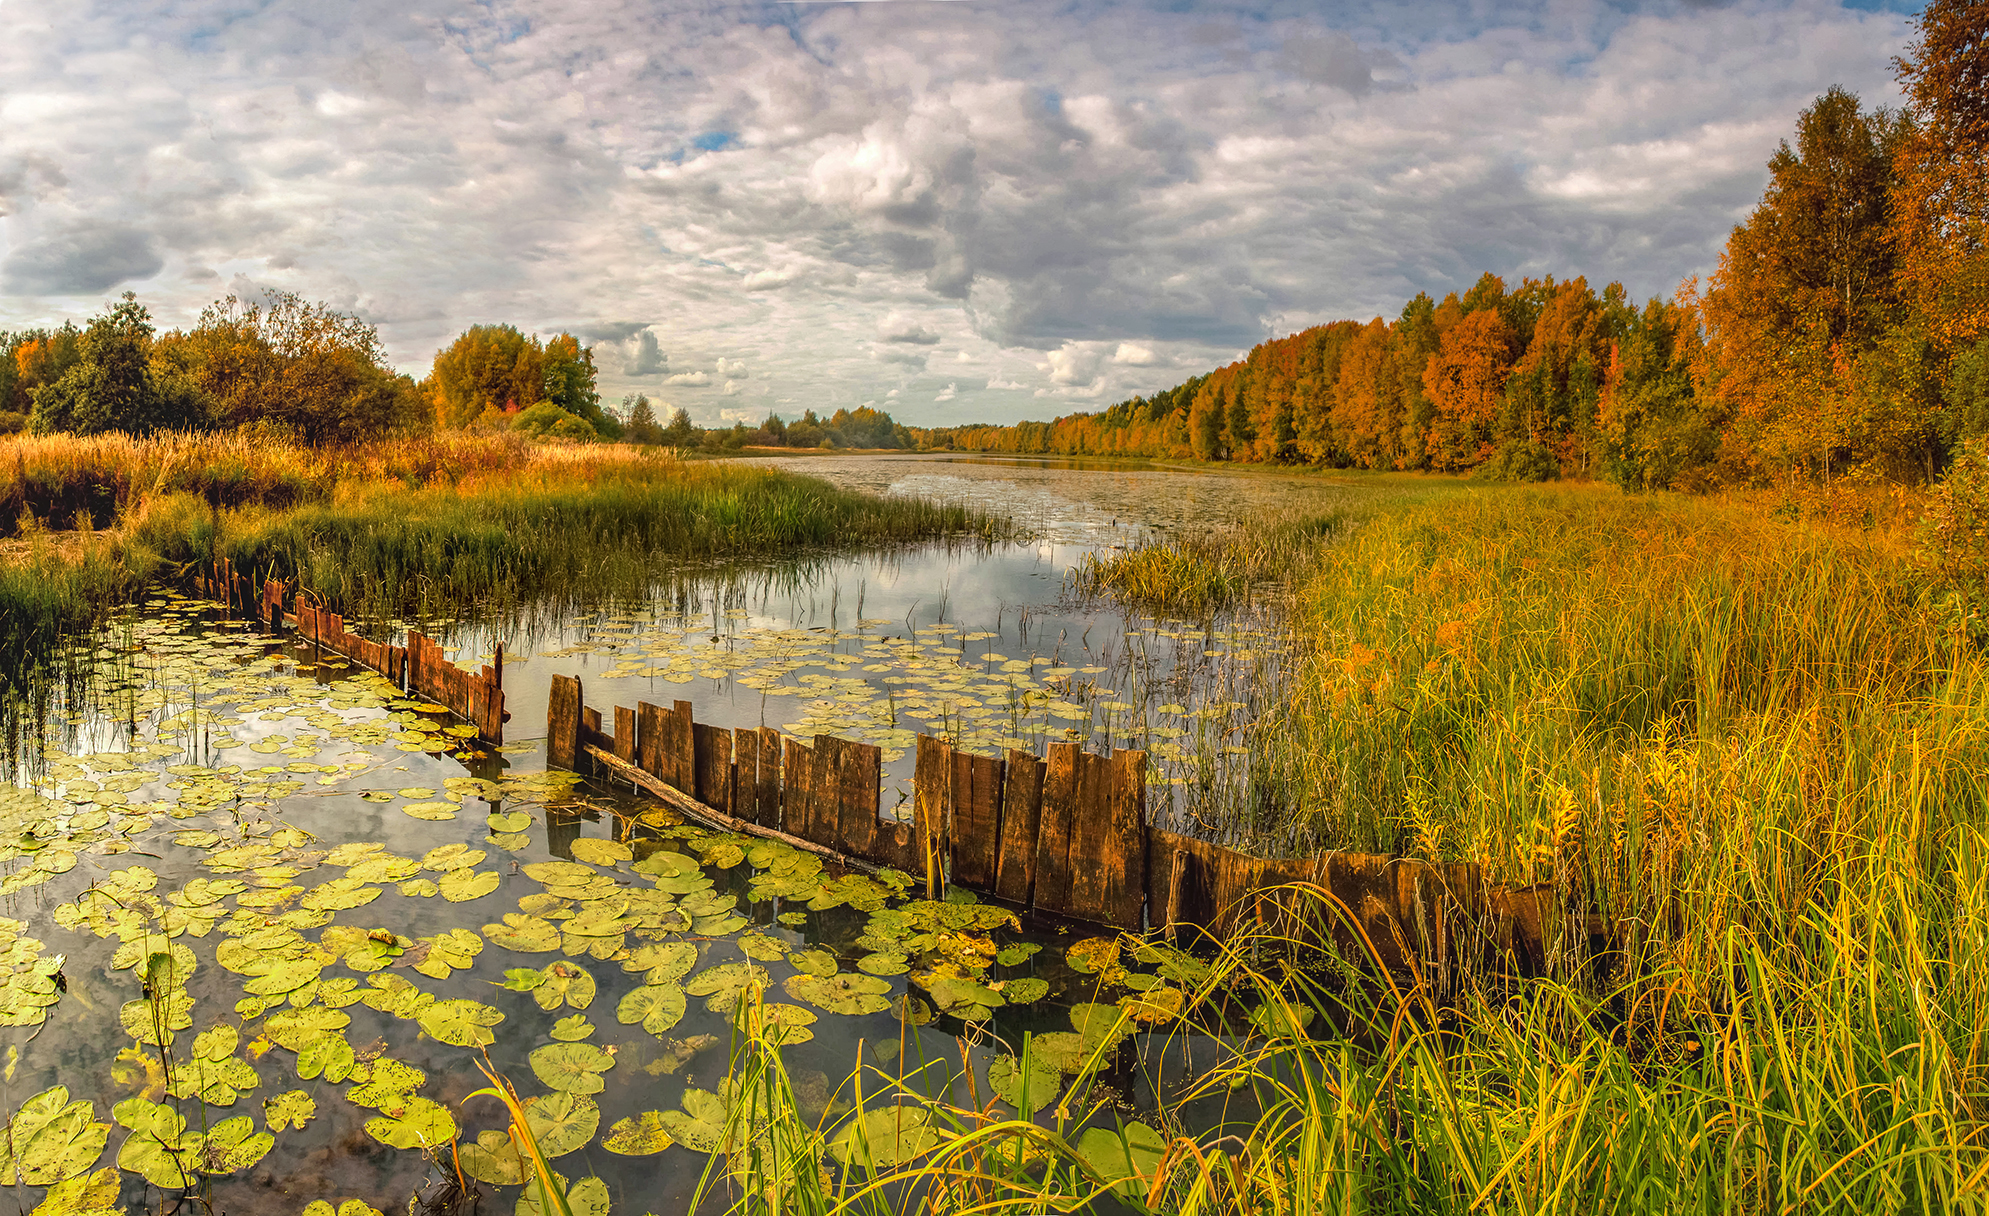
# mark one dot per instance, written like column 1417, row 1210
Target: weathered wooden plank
column 625, row 732
column 712, row 765
column 798, row 774
column 649, row 738
column 746, row 774
column 563, row 723
column 1122, row 897
column 824, row 790
column 1053, row 829
column 1021, row 810
column 932, row 779
column 769, row 781
column 975, row 826
column 679, row 750
column 694, row 809
column 858, row 774
column 1180, row 876
column 1092, row 840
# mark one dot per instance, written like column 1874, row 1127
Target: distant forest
column 1844, row 334
column 298, row 370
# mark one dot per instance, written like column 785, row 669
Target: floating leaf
column 462, row 886
column 412, row 1122
column 572, row 1067
column 525, row 934
column 1026, row 990
column 387, row 1081
column 884, row 1137
column 1126, row 1158
column 814, row 962
column 51, row 1138
column 509, row 821
column 1008, row 1079
column 845, row 993
column 639, row 1136
column 664, row 961
column 725, row 986
column 461, row 1023
column 572, row 1028
column 562, row 1122
column 233, row 1145
column 493, row 1159
column 432, row 811
column 565, row 983
column 1093, row 955
column 654, row 1007
column 84, row 1195
column 883, row 964
column 587, row 1197
column 596, row 851
column 289, row 1110
column 700, row 1126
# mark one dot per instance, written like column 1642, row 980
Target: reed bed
column 437, row 526
column 1743, row 743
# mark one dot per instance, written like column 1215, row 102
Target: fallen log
column 711, row 816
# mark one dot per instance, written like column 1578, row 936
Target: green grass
column 439, row 528
column 1747, row 742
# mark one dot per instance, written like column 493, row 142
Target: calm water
column 317, row 875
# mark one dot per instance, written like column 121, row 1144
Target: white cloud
column 731, row 388
column 948, row 393
column 1100, row 199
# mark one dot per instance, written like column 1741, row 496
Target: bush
column 1954, row 532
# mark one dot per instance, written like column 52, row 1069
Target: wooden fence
column 419, row 667
column 1066, row 835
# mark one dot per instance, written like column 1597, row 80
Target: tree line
column 299, row 370
column 1844, row 333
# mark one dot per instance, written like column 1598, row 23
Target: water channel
column 262, row 910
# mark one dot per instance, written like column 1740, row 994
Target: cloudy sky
column 960, row 211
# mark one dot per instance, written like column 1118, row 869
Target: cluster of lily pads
column 274, row 967
column 1183, row 693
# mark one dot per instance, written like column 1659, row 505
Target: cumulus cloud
column 1097, row 200
column 80, row 259
column 948, row 393
column 898, row 327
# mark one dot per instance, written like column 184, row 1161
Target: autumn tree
column 1804, row 290
column 302, row 368
column 1465, row 381
column 114, row 384
column 1941, row 218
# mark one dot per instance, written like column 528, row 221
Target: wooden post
column 563, row 723
column 931, row 780
column 1177, row 883
column 712, row 766
column 625, row 733
column 1052, row 891
column 975, row 821
column 1021, row 811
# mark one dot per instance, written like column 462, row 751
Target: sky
column 954, row 210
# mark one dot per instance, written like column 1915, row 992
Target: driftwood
column 711, row 816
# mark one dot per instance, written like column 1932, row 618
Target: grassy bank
column 1742, row 741
column 431, row 526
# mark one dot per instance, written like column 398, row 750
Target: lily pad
column 432, row 811
column 412, row 1122
column 884, row 1137
column 596, row 851
column 572, row 1028
column 233, row 1145
column 493, row 1159
column 525, row 934
column 655, row 1007
column 51, row 1138
column 564, row 983
column 289, row 1110
column 572, row 1067
column 1126, row 1158
column 461, row 1023
column 724, row 986
column 844, row 993
column 701, row 1125
column 663, row 961
column 562, row 1122
column 638, row 1136
column 1009, row 1079
column 462, row 886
